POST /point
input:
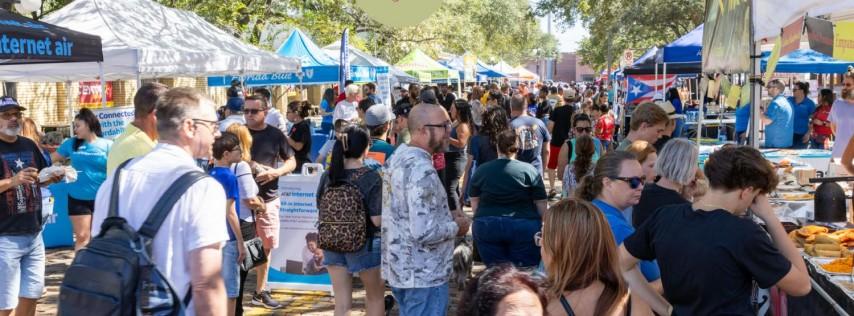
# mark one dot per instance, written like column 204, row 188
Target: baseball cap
column 235, row 104
column 378, row 114
column 402, row 109
column 669, row 109
column 8, row 103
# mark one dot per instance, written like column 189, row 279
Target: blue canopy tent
column 654, row 59
column 456, row 64
column 484, row 69
column 317, row 67
column 686, row 49
column 807, row 61
column 361, row 58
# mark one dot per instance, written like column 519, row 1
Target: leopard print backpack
column 342, row 217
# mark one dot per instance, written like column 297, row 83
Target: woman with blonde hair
column 581, row 262
column 30, row 129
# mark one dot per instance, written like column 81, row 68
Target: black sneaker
column 264, row 299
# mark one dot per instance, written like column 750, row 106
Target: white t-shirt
column 231, row 119
column 277, row 120
column 345, row 110
column 246, row 187
column 842, row 114
column 197, row 219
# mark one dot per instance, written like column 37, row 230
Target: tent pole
column 656, row 81
column 68, row 103
column 700, row 115
column 103, row 85
column 665, row 81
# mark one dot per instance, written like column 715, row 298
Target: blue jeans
column 231, row 269
column 507, row 239
column 22, row 262
column 430, row 301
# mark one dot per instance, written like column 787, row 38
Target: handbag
column 255, row 254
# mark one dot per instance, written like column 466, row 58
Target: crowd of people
column 636, row 227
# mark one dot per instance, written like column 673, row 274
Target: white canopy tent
column 143, row 39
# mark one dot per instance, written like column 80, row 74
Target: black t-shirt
column 544, row 109
column 482, row 149
column 370, row 185
column 268, row 146
column 21, row 206
column 659, row 144
column 301, row 133
column 708, row 259
column 447, row 100
column 652, row 198
column 562, row 118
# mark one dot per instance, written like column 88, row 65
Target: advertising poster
column 384, row 86
column 90, row 94
column 298, row 263
column 843, row 42
column 114, row 120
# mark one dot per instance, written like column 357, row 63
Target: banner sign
column 843, row 43
column 820, row 33
column 726, row 36
column 772, row 61
column 384, row 87
column 28, row 41
column 90, row 94
column 310, row 75
column 344, row 58
column 114, row 120
column 298, row 263
column 470, row 67
column 792, row 37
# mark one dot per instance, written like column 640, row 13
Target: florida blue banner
column 310, row 75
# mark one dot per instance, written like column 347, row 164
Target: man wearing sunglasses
column 648, row 123
column 779, row 118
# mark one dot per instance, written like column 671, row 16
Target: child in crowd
column 227, row 151
column 325, row 153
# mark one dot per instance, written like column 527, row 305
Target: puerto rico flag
column 641, row 88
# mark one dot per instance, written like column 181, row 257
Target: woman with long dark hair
column 348, row 166
column 583, row 151
column 821, row 131
column 455, row 157
column 87, row 151
column 299, row 138
column 581, row 262
column 327, row 104
column 482, row 148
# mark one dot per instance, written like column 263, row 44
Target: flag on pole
column 344, row 64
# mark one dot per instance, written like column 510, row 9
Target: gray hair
column 677, row 161
column 175, row 106
column 353, row 89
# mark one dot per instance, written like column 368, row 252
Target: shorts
column 267, row 225
column 554, row 153
column 22, row 262
column 80, row 207
column 231, row 269
column 355, row 261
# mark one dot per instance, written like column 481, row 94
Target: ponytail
column 350, row 143
column 589, row 188
column 336, row 167
column 607, row 167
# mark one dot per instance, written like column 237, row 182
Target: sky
column 568, row 37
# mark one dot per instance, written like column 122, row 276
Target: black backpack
column 114, row 273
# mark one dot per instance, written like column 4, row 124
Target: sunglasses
column 583, row 129
column 634, row 182
column 252, row 111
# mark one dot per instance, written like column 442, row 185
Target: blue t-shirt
column 742, row 118
column 802, row 111
column 226, row 177
column 379, row 153
column 677, row 105
column 779, row 133
column 328, row 108
column 532, row 134
column 622, row 229
column 90, row 161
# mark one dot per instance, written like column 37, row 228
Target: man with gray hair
column 346, row 109
column 778, row 117
column 187, row 249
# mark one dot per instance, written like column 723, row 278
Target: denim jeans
column 507, row 239
column 430, row 301
column 22, row 263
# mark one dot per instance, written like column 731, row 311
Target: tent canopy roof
column 361, row 58
column 807, row 61
column 688, row 48
column 300, row 46
column 143, row 38
column 31, row 34
column 770, row 16
column 417, row 60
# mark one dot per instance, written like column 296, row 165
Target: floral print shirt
column 418, row 230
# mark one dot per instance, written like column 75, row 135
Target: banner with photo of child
column 298, row 262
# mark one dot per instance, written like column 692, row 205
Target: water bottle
column 721, row 136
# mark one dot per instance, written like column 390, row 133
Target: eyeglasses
column 538, row 239
column 583, row 129
column 634, row 182
column 446, row 125
column 252, row 111
column 9, row 116
column 211, row 125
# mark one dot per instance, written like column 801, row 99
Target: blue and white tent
column 317, row 67
column 807, row 61
column 686, row 49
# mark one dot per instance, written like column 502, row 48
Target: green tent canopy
column 417, row 63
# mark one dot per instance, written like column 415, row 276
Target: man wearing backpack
column 187, row 247
column 418, row 230
column 22, row 256
column 532, row 135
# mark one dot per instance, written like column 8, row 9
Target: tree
column 616, row 25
